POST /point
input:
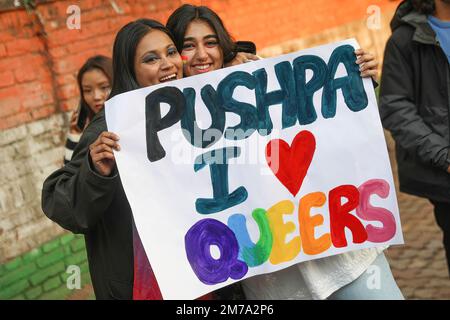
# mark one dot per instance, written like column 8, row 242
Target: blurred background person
column 94, row 81
column 414, row 102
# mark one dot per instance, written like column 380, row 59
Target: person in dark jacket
column 415, row 102
column 86, row 195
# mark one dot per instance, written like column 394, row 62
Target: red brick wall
column 39, row 58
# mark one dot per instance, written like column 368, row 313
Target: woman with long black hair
column 86, row 195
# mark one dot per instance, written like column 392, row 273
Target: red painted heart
column 290, row 163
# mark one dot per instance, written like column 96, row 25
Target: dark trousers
column 442, row 215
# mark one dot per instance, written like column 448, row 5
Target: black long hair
column 124, row 51
column 180, row 19
column 426, row 7
column 98, row 62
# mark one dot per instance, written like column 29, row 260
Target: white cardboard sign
column 251, row 169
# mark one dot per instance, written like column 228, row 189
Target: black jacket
column 414, row 105
column 82, row 201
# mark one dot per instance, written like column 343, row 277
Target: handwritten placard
column 254, row 168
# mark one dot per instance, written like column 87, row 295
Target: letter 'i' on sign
column 218, row 166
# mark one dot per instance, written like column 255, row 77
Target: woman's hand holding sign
column 368, row 64
column 242, row 57
column 101, row 152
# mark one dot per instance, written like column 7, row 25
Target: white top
column 72, row 140
column 315, row 279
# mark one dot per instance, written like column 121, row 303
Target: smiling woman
column 201, row 49
column 157, row 59
column 145, row 54
column 86, row 196
column 204, row 42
